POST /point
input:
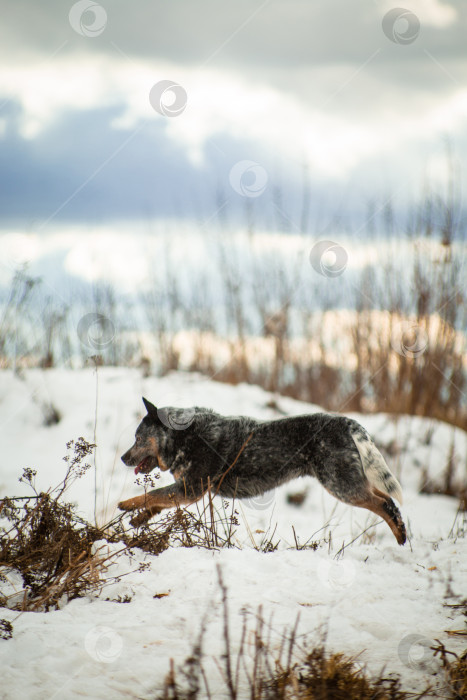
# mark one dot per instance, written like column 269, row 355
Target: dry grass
column 327, row 676
column 54, row 550
column 271, row 672
column 46, row 542
column 455, row 669
column 58, row 556
column 401, row 350
column 457, row 676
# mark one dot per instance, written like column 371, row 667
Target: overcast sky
column 346, row 101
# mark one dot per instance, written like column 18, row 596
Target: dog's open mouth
column 146, row 465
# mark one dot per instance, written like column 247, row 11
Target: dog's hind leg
column 359, row 492
column 381, row 504
column 366, row 482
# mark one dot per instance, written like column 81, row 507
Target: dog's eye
column 138, row 438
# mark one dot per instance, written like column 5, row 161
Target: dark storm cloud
column 333, row 56
column 143, row 178
column 255, row 33
column 306, row 49
column 76, row 169
column 80, row 169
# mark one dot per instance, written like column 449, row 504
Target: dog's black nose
column 125, row 458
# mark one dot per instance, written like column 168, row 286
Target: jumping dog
column 240, row 457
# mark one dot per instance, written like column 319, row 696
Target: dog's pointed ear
column 150, row 408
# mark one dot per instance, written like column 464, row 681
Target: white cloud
column 292, row 127
column 430, row 12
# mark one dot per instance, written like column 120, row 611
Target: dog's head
column 152, row 436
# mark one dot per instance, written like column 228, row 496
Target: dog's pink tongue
column 137, row 469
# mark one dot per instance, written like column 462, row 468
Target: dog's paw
column 126, row 505
column 141, row 518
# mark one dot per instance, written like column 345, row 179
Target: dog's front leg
column 153, row 502
column 144, row 505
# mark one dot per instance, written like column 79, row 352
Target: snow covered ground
column 382, row 602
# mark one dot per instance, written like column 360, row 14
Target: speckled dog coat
column 241, row 457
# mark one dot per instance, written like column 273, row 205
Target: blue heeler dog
column 239, row 457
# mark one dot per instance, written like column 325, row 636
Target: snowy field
column 383, row 603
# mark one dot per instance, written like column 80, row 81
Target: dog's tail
column 374, row 467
